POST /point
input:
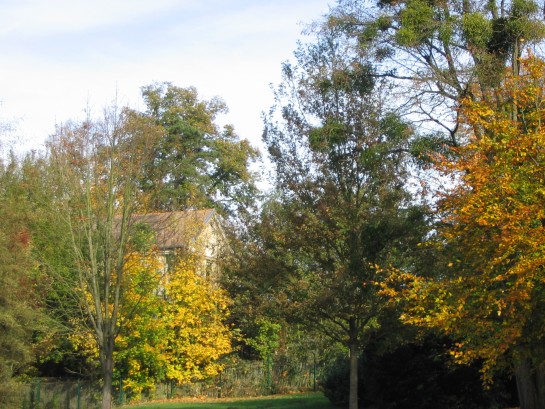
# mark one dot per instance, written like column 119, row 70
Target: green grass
column 306, row 401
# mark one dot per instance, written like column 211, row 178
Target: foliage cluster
column 180, row 331
column 73, row 253
column 490, row 296
column 352, row 245
column 23, row 320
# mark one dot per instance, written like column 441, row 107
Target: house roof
column 176, row 229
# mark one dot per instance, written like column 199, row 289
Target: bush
column 335, row 382
column 10, row 394
column 415, row 376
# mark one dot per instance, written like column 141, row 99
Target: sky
column 60, row 56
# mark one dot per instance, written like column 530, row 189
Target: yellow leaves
column 494, row 218
column 458, row 353
column 194, row 318
column 189, row 335
column 172, row 325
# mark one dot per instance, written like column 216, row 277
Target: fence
column 245, row 379
column 253, row 379
column 55, row 394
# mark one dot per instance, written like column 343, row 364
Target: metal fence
column 254, row 379
column 244, row 379
column 60, row 394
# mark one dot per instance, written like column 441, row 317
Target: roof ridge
column 208, row 209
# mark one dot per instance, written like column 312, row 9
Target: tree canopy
column 95, row 167
column 25, row 328
column 489, row 294
column 172, row 325
column 440, row 52
column 195, row 163
column 343, row 219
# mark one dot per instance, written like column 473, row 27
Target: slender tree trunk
column 107, row 374
column 354, row 349
column 530, row 385
column 353, row 397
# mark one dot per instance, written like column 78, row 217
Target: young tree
column 139, row 360
column 343, row 220
column 96, row 168
column 490, row 294
column 179, row 333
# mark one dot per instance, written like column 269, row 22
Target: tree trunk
column 353, row 396
column 107, row 374
column 354, row 349
column 530, row 385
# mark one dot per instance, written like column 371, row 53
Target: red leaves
column 23, row 238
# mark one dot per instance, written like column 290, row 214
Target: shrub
column 415, row 376
column 335, row 382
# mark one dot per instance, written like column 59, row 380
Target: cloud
column 43, row 17
column 59, row 55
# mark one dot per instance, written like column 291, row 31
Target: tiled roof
column 176, row 229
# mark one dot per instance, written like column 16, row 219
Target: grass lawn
column 308, row 401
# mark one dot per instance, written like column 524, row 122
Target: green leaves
column 196, row 164
column 477, row 29
column 438, row 52
column 25, row 329
column 340, row 156
column 417, row 23
column 327, row 137
column 267, row 340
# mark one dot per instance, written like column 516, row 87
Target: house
column 196, row 232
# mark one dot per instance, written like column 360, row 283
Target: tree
column 343, row 220
column 441, row 52
column 195, row 163
column 195, row 316
column 490, row 293
column 25, row 329
column 257, row 279
column 140, row 364
column 179, row 333
column 96, row 167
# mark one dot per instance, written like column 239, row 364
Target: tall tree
column 441, row 52
column 490, row 294
column 23, row 323
column 343, row 219
column 195, row 162
column 96, row 167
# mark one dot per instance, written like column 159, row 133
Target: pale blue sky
column 59, row 55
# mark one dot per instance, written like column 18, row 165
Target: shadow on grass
column 306, row 401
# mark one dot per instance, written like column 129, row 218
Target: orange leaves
column 495, row 223
column 393, row 283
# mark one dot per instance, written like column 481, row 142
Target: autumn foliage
column 173, row 325
column 489, row 293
